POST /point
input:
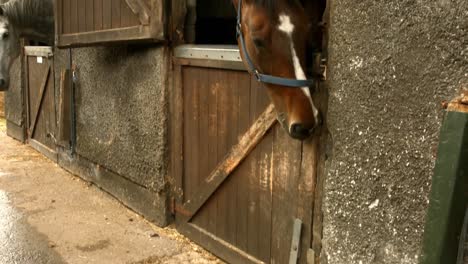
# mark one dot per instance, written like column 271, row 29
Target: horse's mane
column 35, row 15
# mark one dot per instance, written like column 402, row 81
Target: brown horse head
column 276, row 33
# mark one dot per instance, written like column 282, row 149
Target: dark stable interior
column 216, row 22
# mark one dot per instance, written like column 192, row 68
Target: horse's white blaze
column 285, row 24
column 287, row 27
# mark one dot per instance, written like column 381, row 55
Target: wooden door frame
column 47, row 53
column 311, row 159
column 182, row 214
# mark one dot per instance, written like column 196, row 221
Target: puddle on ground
column 20, row 242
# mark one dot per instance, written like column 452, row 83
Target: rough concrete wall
column 121, row 111
column 14, row 106
column 391, row 65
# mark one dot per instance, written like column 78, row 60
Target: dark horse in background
column 31, row 19
column 278, row 37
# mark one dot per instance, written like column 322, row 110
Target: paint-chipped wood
column 177, row 22
column 40, row 99
column 88, row 22
column 232, row 160
column 241, row 206
column 140, row 8
column 64, row 136
column 460, row 103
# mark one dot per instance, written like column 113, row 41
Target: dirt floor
column 49, row 216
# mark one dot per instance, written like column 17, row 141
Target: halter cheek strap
column 265, row 78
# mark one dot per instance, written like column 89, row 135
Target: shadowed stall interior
column 211, row 22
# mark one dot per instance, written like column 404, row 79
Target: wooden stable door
column 241, row 180
column 41, row 111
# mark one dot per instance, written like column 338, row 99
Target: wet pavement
column 49, row 216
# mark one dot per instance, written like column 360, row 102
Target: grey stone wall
column 121, row 114
column 122, row 123
column 391, row 64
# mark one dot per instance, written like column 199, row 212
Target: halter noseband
column 264, row 78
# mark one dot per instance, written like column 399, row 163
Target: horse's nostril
column 2, row 82
column 298, row 131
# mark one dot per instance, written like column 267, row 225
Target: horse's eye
column 259, row 43
column 5, row 35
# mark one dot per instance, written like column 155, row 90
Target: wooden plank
column 243, row 170
column 25, row 61
column 177, row 22
column 43, row 87
column 98, row 15
column 89, row 7
column 45, row 150
column 218, row 64
column 315, row 151
column 106, row 14
column 191, row 138
column 50, row 110
column 108, row 21
column 306, row 191
column 265, row 179
column 126, row 15
column 317, row 221
column 141, row 9
column 222, row 120
column 232, row 139
column 234, row 157
column 132, row 34
column 115, row 5
column 82, row 16
column 63, row 18
column 38, row 51
column 65, row 109
column 252, row 181
column 158, row 19
column 177, row 143
column 202, row 217
column 212, row 204
column 217, row 246
column 16, row 132
column 287, row 167
column 74, row 28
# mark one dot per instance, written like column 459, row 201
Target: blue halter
column 264, row 78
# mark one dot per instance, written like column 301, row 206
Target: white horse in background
column 31, row 19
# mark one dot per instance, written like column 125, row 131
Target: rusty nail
column 444, row 104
